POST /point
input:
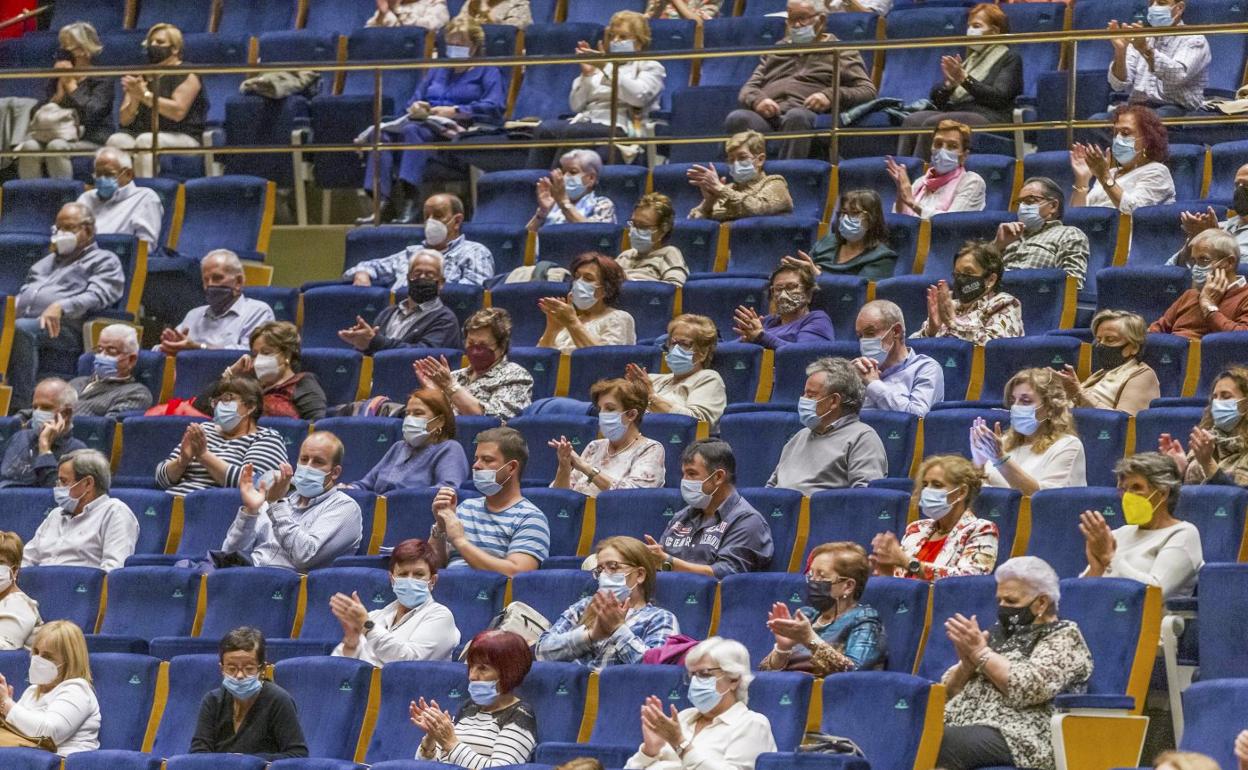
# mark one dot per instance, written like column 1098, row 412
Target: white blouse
column 1061, row 465
column 19, row 615
column 732, row 741
column 615, row 327
column 1148, row 185
column 426, row 633
column 69, row 714
column 641, row 84
column 1168, row 558
column 637, row 466
column 969, row 195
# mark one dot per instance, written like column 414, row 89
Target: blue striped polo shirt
column 522, row 528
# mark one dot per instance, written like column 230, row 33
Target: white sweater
column 1169, row 558
column 425, row 633
column 1061, row 465
column 69, row 714
column 19, row 616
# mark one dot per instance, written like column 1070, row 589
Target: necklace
column 623, row 448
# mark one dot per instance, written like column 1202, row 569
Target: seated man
column 501, row 532
column 303, row 529
column 1167, row 72
column 1218, row 299
column 118, row 204
column 1039, row 240
column 87, row 528
column 718, row 532
column 835, row 449
column 786, row 91
column 32, row 454
column 1236, row 224
column 78, row 278
column 751, row 193
column 228, row 319
column 897, row 378
column 418, row 321
column 111, row 389
column 463, row 261
column 567, row 196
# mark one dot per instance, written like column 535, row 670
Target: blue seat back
column 1155, row 234
column 1104, row 436
column 283, row 300
column 537, row 431
column 784, row 698
column 196, row 370
column 672, row 35
column 565, row 510
column 756, row 244
column 385, row 44
column 1042, row 294
column 215, row 762
column 857, row 703
column 841, row 297
column 104, row 15
column 808, row 760
column 947, row 431
column 186, row 15
column 146, row 441
column 473, row 597
column 18, row 251
column 65, row 593
column 520, row 301
column 292, row 430
column 240, row 17
column 328, row 309
column 624, row 185
column 562, row 243
column 636, row 512
column 372, row 585
column 394, row 736
column 1055, row 533
column 650, row 303
column 1187, row 161
column 29, row 759
column 792, row 360
column 589, row 365
column 393, row 376
column 956, row 358
column 1211, row 711
column 691, row 598
column 543, row 91
column 998, row 173
column 337, row 371
column 1144, row 290
column 217, row 48
column 700, row 111
column 1225, row 156
column 901, row 77
column 1096, row 14
column 718, row 298
column 27, row 507
column 333, row 694
column 1167, row 354
column 1001, row 506
column 968, row 595
column 505, row 241
column 551, row 591
column 167, row 190
column 112, row 759
column 31, row 205
column 1218, row 352
column 190, row 678
column 368, row 437
column 147, row 602
column 850, row 25
column 240, row 200
column 740, row 366
column 127, row 683
column 764, row 434
column 1040, row 57
column 872, row 174
column 808, row 182
column 542, row 364
column 898, row 431
column 856, row 515
column 209, row 513
column 1218, row 512
column 556, row 690
column 781, row 508
column 671, row 180
column 1224, row 600
column 1003, row 358
column 950, row 231
column 622, row 690
column 674, row 432
column 745, row 601
column 154, row 510
column 365, row 243
column 736, row 33
column 1177, row 421
column 506, row 196
column 409, row 513
column 251, row 119
column 902, row 604
column 1110, row 613
column 263, row 597
column 597, row 12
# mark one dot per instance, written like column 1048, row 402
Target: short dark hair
column 505, row 652
column 1051, row 190
column 869, row 203
column 244, row 638
column 986, row 256
column 413, row 549
column 612, row 274
column 246, row 388
column 510, row 442
column 717, row 455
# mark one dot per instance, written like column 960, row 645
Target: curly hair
column 959, row 472
column 612, row 274
column 1059, row 421
column 1239, row 376
column 1152, row 131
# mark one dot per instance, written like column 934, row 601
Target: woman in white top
column 640, row 83
column 60, row 703
column 1152, row 547
column 691, row 388
column 1040, row 449
column 587, row 317
column 19, row 614
column 1130, row 174
column 413, row 627
column 623, row 459
column 947, row 185
column 719, row 731
column 430, row 14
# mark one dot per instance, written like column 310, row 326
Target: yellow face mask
column 1137, row 509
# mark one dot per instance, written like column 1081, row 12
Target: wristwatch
column 914, row 567
column 369, row 625
column 667, row 564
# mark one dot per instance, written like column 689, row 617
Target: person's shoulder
column 971, row 179
column 273, row 691
column 267, row 434
column 247, row 305
column 525, row 508
column 75, row 688
column 144, row 193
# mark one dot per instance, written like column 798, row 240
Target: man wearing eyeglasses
column 1039, row 240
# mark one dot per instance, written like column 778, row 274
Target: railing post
column 375, row 160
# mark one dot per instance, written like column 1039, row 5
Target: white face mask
column 436, row 232
column 6, row 577
column 42, row 670
column 266, row 367
column 64, row 242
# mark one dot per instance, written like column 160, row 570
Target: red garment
column 930, row 550
column 279, row 400
column 1185, row 318
column 11, row 8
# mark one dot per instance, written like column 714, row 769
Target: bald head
column 54, row 395
column 447, row 209
column 323, row 451
column 77, row 219
column 881, row 314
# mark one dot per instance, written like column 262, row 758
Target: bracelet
column 1002, row 460
column 1080, row 188
column 452, row 389
column 775, row 650
column 983, row 659
column 593, row 473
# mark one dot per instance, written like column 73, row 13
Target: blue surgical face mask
column 105, row 187
column 1123, row 149
column 1159, row 16
column 691, row 491
column 242, row 689
column 612, row 426
column 641, row 239
column 944, row 160
column 622, row 46
column 617, row 585
column 584, row 294
column 104, row 365
column 802, row 35
column 487, row 483
column 1200, row 274
column 1225, row 413
column 40, row 418
column 704, row 693
column 1023, row 419
column 415, row 431
column 808, row 412
column 411, row 592
column 1029, row 215
column 679, row 360
column 873, row 348
column 309, row 482
column 574, row 185
column 226, row 415
column 66, row 501
column 483, row 693
column 458, row 52
column 850, row 227
column 934, row 503
column 743, row 171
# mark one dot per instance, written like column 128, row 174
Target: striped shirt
column 521, row 528
column 463, row 261
column 644, row 628
column 504, row 737
column 1177, row 74
column 593, row 207
column 263, row 448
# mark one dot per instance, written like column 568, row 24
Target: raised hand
column 360, row 335
column 1098, row 539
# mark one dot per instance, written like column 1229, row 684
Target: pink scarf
column 932, row 183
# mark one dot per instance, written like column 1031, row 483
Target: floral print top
column 990, row 317
column 505, row 390
column 970, row 548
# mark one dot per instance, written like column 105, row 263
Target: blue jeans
column 411, row 162
column 36, row 355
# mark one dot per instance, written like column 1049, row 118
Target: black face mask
column 1240, row 201
column 158, row 53
column 63, row 54
column 422, row 290
column 219, row 298
column 967, row 289
column 819, row 595
column 1013, row 619
column 1106, row 357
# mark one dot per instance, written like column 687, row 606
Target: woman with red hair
column 1132, row 173
column 588, row 316
column 496, row 728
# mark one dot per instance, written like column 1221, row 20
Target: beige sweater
column 700, row 395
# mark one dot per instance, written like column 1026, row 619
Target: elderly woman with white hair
column 567, row 196
column 111, row 389
column 1153, row 546
column 1001, row 690
column 719, row 731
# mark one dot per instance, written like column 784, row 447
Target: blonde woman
column 751, row 193
column 1039, row 449
column 1120, row 380
column 619, row 622
column 19, row 614
column 691, row 387
column 515, row 13
column 948, row 539
column 650, row 257
column 60, row 703
column 1187, row 760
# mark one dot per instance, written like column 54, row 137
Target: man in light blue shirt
column 463, row 261
column 1237, row 225
column 897, row 378
column 228, row 319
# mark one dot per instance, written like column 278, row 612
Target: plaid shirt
column 1054, row 245
column 1178, row 75
column 643, row 628
column 593, row 207
column 463, row 261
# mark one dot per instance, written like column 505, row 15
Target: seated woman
column 496, row 728
column 412, row 627
column 90, row 99
column 1120, row 378
column 752, row 193
column 857, row 243
column 649, row 257
column 427, row 457
column 274, row 363
column 639, row 84
column 975, row 309
column 430, row 14
column 947, row 185
column 567, row 195
column 792, row 290
column 513, row 13
column 691, row 387
column 833, row 631
column 1153, row 546
column 212, row 454
column 620, row 622
column 690, row 10
column 1218, row 452
column 588, row 317
column 623, row 458
column 948, row 539
column 719, row 730
column 490, row 384
column 60, row 705
column 19, row 614
column 247, row 714
column 466, row 95
column 1001, row 690
column 1133, row 172
column 179, row 99
column 976, row 90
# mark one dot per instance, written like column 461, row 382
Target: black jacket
column 993, row 97
column 270, row 730
column 93, row 101
column 439, row 328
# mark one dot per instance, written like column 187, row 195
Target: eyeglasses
column 235, row 672
column 813, row 578
column 1037, row 199
column 614, row 567
column 777, row 287
column 703, row 673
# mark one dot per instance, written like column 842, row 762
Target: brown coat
column 788, row 80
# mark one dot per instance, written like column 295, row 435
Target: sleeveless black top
column 164, row 86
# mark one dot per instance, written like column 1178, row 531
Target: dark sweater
column 93, row 101
column 873, row 264
column 438, row 328
column 270, row 730
column 993, row 97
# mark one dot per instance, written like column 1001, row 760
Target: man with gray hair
column 31, row 456
column 61, row 290
column 87, row 528
column 421, row 320
column 567, row 196
column 1039, row 240
column 1218, row 299
column 118, row 204
column 896, row 377
column 228, row 319
column 111, row 389
column 834, row 449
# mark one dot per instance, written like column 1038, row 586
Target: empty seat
column 1218, row 512
column 65, row 593
column 808, row 182
column 1218, row 352
column 246, row 202
column 544, row 89
column 956, row 358
column 718, row 298
column 740, row 366
column 757, row 244
column 127, row 685
column 872, row 174
column 557, row 690
column 1213, row 711
column 910, row 73
column 635, row 512
column 792, row 360
column 337, row 371
column 551, row 591
column 565, row 511
column 393, row 376
column 190, row 678
column 746, row 599
column 146, row 602
column 240, row 17
column 857, row 703
column 520, row 301
column 105, row 15
column 146, row 441
column 728, row 32
column 1177, row 421
column 1042, row 293
column 968, row 595
column 762, row 435
column 784, row 698
column 473, row 597
column 1004, row 358
column 505, row 241
column 1144, row 290
column 1155, row 231
column 589, row 365
column 1055, row 535
column 27, row 508
column 112, row 759
column 624, row 185
column 650, row 304
column 328, row 309
column 332, row 694
column 380, row 44
column 857, row 515
column 947, row 431
column 154, row 510
column 31, row 205
column 1224, row 157
column 562, row 243
column 196, row 370
column 262, row 597
column 950, row 231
